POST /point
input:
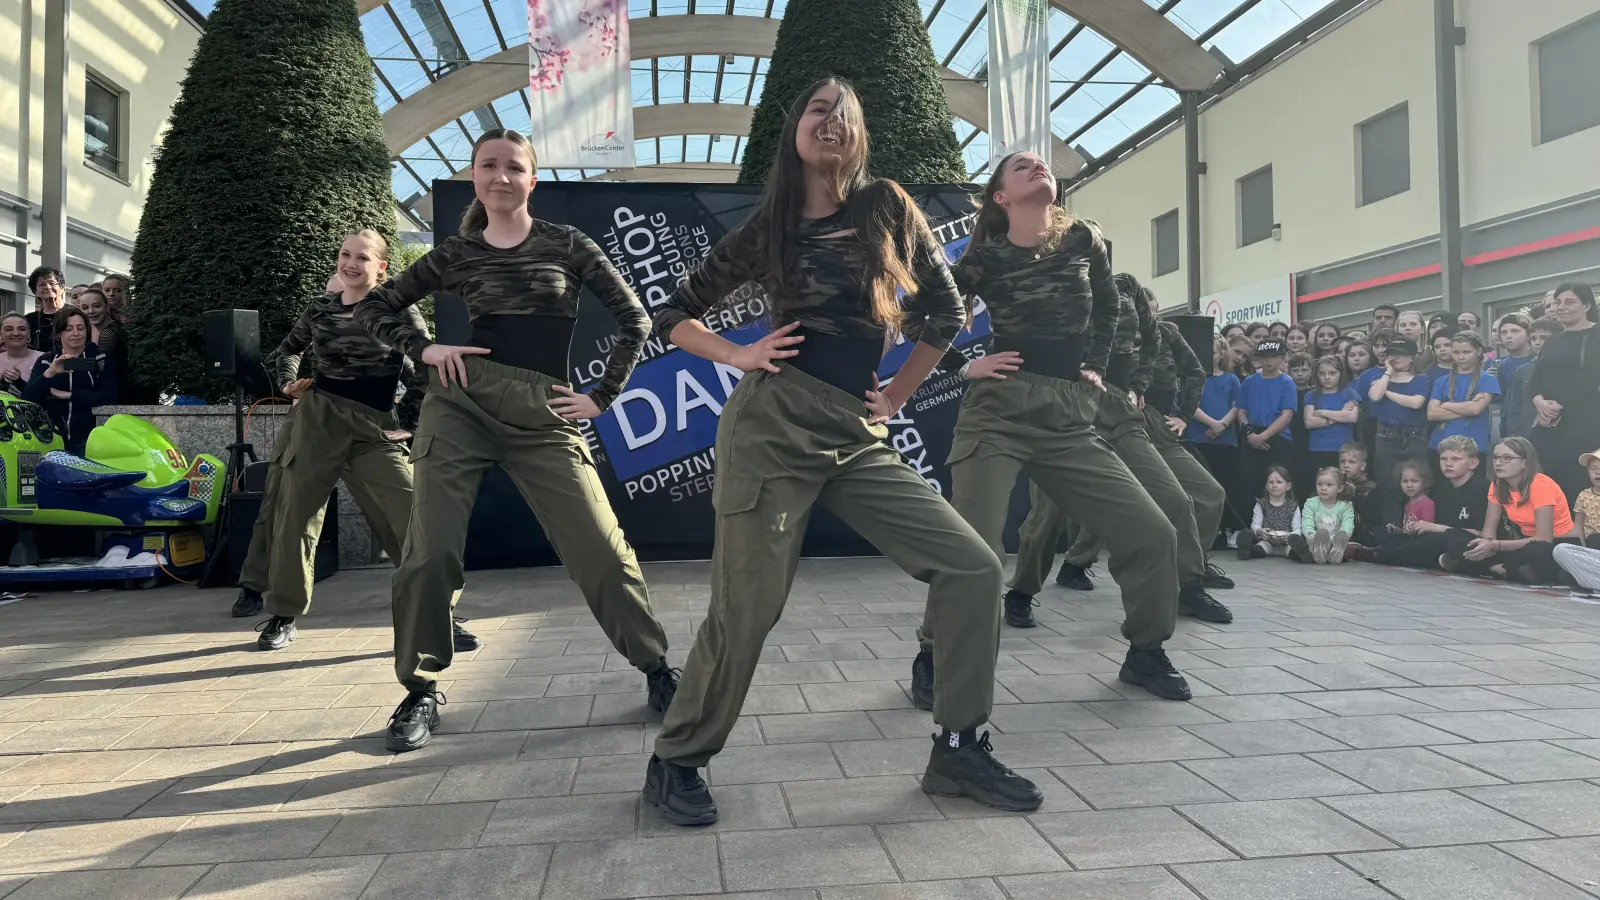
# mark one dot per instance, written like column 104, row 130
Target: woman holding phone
column 69, row 383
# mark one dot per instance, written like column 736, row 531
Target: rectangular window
column 1568, row 68
column 1255, row 207
column 1383, row 160
column 1164, row 237
column 103, row 126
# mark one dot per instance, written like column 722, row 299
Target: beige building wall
column 139, row 47
column 1300, row 116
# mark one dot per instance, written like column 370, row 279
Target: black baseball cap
column 1402, row 347
column 1270, row 348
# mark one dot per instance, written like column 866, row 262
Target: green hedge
column 881, row 47
column 275, row 151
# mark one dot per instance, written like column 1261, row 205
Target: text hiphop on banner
column 655, row 447
column 1019, row 78
column 580, row 90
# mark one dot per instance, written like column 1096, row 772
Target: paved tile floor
column 1358, row 733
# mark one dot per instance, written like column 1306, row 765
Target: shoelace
column 673, row 674
column 263, row 626
column 689, row 780
column 1160, row 656
column 986, row 750
column 409, row 705
column 1214, row 569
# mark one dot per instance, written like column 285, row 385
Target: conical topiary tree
column 275, row 151
column 882, row 48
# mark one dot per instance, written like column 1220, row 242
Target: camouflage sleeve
column 1103, row 312
column 633, row 325
column 968, row 270
column 723, row 269
column 383, row 314
column 1191, row 375
column 414, row 376
column 1149, row 343
column 286, row 360
column 936, row 304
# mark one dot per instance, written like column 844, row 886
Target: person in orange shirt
column 1533, row 504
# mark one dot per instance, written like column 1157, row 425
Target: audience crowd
column 1419, row 441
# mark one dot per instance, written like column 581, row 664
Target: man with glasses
column 47, row 285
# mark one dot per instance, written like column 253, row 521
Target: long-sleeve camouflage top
column 1038, row 296
column 541, row 276
column 1176, row 373
column 830, row 295
column 343, row 350
column 1136, row 342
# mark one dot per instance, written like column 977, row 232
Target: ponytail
column 476, row 218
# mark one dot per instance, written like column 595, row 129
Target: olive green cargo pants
column 1178, row 482
column 256, row 573
column 788, row 442
column 502, row 416
column 334, row 438
column 1044, row 427
column 1036, row 542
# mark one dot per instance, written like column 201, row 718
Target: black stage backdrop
column 654, row 447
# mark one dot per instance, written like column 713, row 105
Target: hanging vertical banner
column 580, row 89
column 1019, row 78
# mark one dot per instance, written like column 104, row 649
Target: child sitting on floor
column 1275, row 521
column 1326, row 522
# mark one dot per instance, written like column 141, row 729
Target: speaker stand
column 215, row 573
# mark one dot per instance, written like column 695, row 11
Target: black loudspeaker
column 1199, row 332
column 243, row 506
column 233, row 341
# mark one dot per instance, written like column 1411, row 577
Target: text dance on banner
column 579, row 87
column 654, row 447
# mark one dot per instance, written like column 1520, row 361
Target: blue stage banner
column 654, row 446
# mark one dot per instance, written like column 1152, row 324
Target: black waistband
column 376, row 391
column 538, row 343
column 847, row 363
column 1161, row 400
column 1056, row 357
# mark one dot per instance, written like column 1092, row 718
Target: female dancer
column 341, row 429
column 831, row 248
column 520, row 278
column 1047, row 281
column 70, row 382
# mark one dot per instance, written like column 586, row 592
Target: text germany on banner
column 580, row 90
column 654, row 446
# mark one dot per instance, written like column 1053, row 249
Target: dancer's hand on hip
column 294, row 390
column 881, row 404
column 1092, row 377
column 450, row 362
column 572, row 405
column 761, row 354
column 994, row 364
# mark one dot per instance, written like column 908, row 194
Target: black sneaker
column 1074, row 577
column 1151, row 670
column 972, row 771
column 1300, row 548
column 1246, row 549
column 663, row 685
column 249, row 604
column 412, row 724
column 276, row 633
column 922, row 681
column 679, row 792
column 1019, row 609
column 1216, row 579
column 1196, row 603
column 465, row 641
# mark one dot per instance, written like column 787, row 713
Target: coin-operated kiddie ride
column 144, row 500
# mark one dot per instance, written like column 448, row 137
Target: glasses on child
column 1506, row 457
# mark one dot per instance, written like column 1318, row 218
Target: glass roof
column 1102, row 95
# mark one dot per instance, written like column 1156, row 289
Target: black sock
column 954, row 739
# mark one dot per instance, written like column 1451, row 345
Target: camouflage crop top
column 541, row 276
column 344, row 351
column 1054, row 296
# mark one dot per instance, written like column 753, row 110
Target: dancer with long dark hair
column 344, row 427
column 520, row 279
column 805, row 427
column 1046, row 279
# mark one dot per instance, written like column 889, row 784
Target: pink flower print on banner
column 601, row 31
column 549, row 63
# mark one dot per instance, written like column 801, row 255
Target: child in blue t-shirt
column 1267, row 401
column 1459, row 401
column 1331, row 411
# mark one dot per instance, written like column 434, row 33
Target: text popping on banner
column 654, row 446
